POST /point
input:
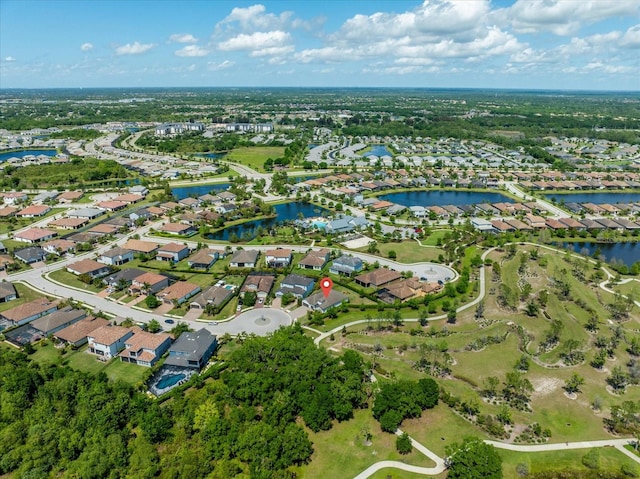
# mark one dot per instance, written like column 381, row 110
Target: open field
column 407, row 251
column 255, row 156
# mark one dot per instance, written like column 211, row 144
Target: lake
column 378, row 150
column 213, row 156
column 23, row 153
column 628, row 252
column 439, row 198
column 284, row 212
column 181, row 192
column 611, row 198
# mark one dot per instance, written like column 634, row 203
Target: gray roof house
column 213, row 295
column 244, row 258
column 127, row 275
column 89, row 213
column 192, row 350
column 58, row 320
column 318, row 302
column 116, row 256
column 30, row 255
column 7, row 292
column 299, row 286
column 346, row 264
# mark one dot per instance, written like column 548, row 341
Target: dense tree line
column 404, row 399
column 58, row 422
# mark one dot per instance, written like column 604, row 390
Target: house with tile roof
column 34, row 235
column 27, row 312
column 172, row 252
column 89, row 267
column 315, row 260
column 76, row 333
column 107, row 341
column 144, row 348
column 148, row 283
column 178, row 292
column 53, row 322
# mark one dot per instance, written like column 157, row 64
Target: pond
column 182, row 192
column 284, row 212
column 378, row 150
column 213, row 156
column 626, row 252
column 23, row 153
column 611, row 198
column 440, row 198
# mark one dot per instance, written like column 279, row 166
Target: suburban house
column 139, row 190
column 173, row 252
column 244, row 258
column 278, row 258
column 260, row 284
column 34, row 235
column 26, row 312
column 14, row 197
column 299, row 286
column 148, row 283
column 76, row 334
column 141, row 247
column 318, row 302
column 226, row 196
column 7, row 292
column 178, row 229
column 377, row 278
column 179, row 292
column 122, row 277
column 204, row 258
column 30, row 255
column 213, row 295
column 142, row 214
column 107, row 341
column 116, row 256
column 315, row 260
column 59, row 246
column 346, row 264
column 192, row 350
column 34, row 211
column 69, row 196
column 87, row 213
column 89, row 267
column 68, row 223
column 144, row 348
column 58, row 320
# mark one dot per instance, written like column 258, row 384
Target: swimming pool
column 169, row 381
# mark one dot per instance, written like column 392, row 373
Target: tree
column 572, row 385
column 392, row 254
column 249, row 298
column 152, row 302
column 473, row 459
column 154, row 326
column 403, row 444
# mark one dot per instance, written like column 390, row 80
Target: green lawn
column 340, row 452
column 407, row 252
column 255, row 156
column 70, row 279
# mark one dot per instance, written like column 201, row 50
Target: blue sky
column 563, row 44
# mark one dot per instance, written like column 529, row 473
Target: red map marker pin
column 326, row 284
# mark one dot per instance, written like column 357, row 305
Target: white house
column 107, row 341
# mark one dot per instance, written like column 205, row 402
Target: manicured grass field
column 70, row 279
column 340, row 452
column 408, row 252
column 255, row 156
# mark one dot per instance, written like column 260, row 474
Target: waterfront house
column 178, row 229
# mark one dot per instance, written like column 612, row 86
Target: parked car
column 169, row 321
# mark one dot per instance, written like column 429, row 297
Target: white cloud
column 192, row 51
column 85, row 47
column 220, row 66
column 631, row 38
column 9, row 59
column 183, row 38
column 135, row 48
column 254, row 18
column 258, row 44
column 563, row 17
